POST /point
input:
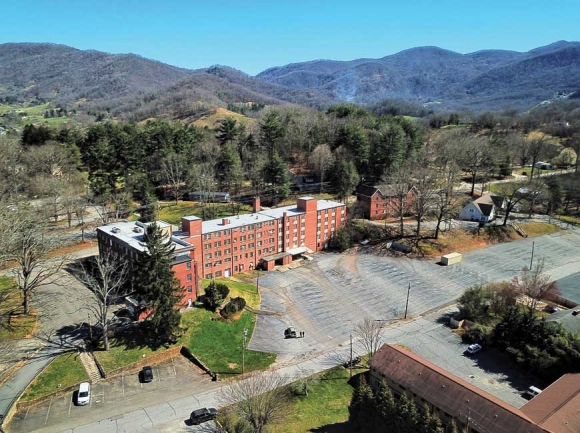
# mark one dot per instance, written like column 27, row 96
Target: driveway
column 325, row 297
column 117, row 402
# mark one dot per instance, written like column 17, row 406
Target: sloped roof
column 386, row 190
column 557, row 408
column 450, row 393
column 486, row 203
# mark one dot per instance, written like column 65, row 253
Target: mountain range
column 442, row 79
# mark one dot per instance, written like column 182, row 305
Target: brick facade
column 224, row 247
column 382, row 202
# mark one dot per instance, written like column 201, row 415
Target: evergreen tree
column 276, row 173
column 271, row 131
column 157, row 285
column 386, row 409
column 362, row 410
column 227, row 130
column 148, row 208
column 431, row 423
column 344, row 178
column 407, row 419
column 229, row 168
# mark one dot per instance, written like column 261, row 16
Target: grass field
column 120, row 354
column 219, row 343
column 172, row 213
column 246, row 290
column 65, row 370
column 20, row 325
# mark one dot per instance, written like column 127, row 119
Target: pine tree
column 362, row 410
column 386, row 408
column 407, row 417
column 156, row 283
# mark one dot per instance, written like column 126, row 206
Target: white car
column 84, row 394
column 474, row 348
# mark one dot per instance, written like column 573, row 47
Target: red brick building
column 382, row 201
column 127, row 238
column 228, row 246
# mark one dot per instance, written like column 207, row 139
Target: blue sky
column 254, row 35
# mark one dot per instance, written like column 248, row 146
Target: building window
column 226, row 232
column 209, row 276
column 189, row 289
column 207, row 246
column 188, row 266
column 218, row 274
column 208, row 265
column 208, row 256
column 188, row 278
column 217, row 244
column 227, row 242
column 207, row 237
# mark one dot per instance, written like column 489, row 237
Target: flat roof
column 234, row 222
column 132, row 234
column 278, row 212
column 328, row 204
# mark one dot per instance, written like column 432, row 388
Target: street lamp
column 244, row 347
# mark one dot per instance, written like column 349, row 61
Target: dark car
column 352, row 363
column 199, row 416
column 147, row 374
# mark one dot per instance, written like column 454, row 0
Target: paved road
column 61, row 314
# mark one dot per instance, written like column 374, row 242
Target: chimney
column 225, row 221
column 256, row 204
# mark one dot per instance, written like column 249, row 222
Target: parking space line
column 69, row 407
column 47, row 412
column 158, row 375
column 26, row 414
column 103, row 388
column 173, row 363
column 123, row 382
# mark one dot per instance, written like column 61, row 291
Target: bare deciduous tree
column 399, row 182
column 30, row 247
column 106, row 276
column 174, row 173
column 533, row 286
column 260, row 398
column 370, row 333
column 322, row 159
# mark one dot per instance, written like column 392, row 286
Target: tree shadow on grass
column 339, row 427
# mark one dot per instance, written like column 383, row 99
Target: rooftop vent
column 116, row 230
column 575, row 312
column 137, row 229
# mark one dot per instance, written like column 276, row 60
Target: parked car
column 84, row 394
column 290, row 332
column 147, row 374
column 531, row 392
column 199, row 416
column 352, row 363
column 474, row 348
column 551, row 309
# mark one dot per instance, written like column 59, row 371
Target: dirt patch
column 232, row 365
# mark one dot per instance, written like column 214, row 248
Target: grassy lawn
column 575, row 220
column 325, row 408
column 538, row 228
column 218, row 343
column 246, row 290
column 172, row 212
column 121, row 354
column 20, row 325
column 66, row 370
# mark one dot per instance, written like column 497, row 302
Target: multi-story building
column 127, row 238
column 228, row 246
column 383, row 201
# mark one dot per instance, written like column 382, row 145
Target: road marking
column 26, row 414
column 123, row 382
column 158, row 374
column 103, row 387
column 173, row 363
column 69, row 407
column 47, row 412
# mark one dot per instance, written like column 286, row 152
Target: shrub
column 340, row 240
column 215, row 295
column 477, row 334
column 234, row 306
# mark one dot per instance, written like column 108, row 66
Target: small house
column 484, row 209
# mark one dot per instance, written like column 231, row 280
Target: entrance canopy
column 299, row 250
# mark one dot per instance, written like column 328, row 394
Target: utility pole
column 258, row 282
column 350, row 356
column 90, row 328
column 532, row 258
column 244, row 348
column 407, row 305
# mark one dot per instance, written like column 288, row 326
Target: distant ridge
column 128, row 83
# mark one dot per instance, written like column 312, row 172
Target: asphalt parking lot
column 112, row 398
column 489, row 370
column 326, row 297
